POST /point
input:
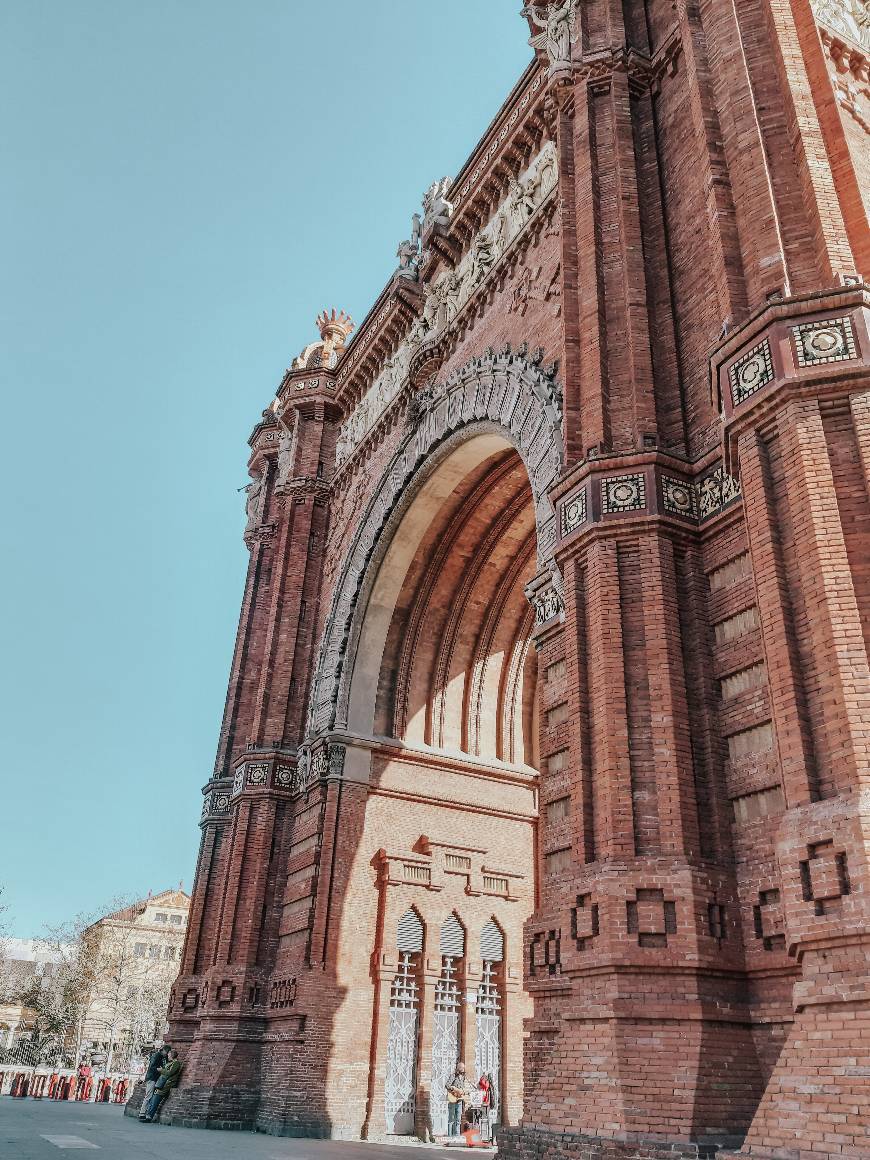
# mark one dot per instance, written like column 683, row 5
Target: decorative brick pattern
column 768, row 920
column 282, row 993
column 651, row 917
column 225, row 995
column 545, row 954
column 824, row 876
column 584, row 921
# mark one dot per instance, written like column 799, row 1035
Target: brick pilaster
column 612, row 777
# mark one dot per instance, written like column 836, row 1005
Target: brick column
column 797, row 510
column 630, row 943
column 613, row 806
column 235, row 928
column 669, row 714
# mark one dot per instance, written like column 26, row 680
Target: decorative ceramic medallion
column 678, row 497
column 573, row 512
column 831, row 340
column 750, row 373
column 258, row 774
column 623, row 493
column 284, row 776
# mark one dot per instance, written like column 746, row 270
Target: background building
column 25, row 966
column 130, row 959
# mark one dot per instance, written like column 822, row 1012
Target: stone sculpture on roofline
column 335, row 327
column 557, row 23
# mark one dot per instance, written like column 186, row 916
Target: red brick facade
column 546, row 736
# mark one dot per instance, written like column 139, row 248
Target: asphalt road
column 51, row 1130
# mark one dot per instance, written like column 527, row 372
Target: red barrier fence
column 57, row 1085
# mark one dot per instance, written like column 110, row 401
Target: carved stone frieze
column 850, row 18
column 548, row 605
column 445, row 297
column 499, row 140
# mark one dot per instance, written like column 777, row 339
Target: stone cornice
column 816, row 344
column 472, row 197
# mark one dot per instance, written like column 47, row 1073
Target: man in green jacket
column 169, row 1077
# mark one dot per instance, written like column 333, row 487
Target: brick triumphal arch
column 545, row 744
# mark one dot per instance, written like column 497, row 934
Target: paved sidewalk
column 49, row 1130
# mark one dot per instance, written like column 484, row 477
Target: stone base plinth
column 541, row 1144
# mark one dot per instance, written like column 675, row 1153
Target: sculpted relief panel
column 445, row 297
column 850, row 18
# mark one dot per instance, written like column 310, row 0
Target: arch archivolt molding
column 423, row 602
column 452, row 628
column 508, row 393
column 508, row 584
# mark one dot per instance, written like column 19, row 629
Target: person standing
column 170, row 1075
column 457, row 1093
column 156, row 1061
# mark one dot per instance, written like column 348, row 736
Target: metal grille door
column 400, row 1085
column 445, row 1042
column 487, row 1051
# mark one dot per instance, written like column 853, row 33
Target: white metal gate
column 400, row 1085
column 487, row 1051
column 487, row 1010
column 445, row 1042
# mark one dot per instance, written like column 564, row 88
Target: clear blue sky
column 185, row 186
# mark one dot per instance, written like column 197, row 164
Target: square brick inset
column 828, row 341
column 258, row 774
column 751, row 372
column 220, row 802
column 824, row 876
column 651, row 917
column 284, row 776
column 225, row 994
column 768, row 920
column 623, row 493
column 584, row 921
column 545, row 953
